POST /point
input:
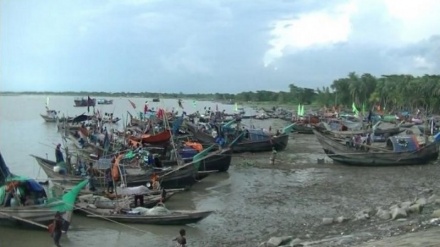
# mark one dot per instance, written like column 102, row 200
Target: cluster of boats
column 354, row 140
column 127, row 175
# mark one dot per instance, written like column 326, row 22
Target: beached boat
column 399, row 150
column 253, row 140
column 303, row 128
column 84, row 102
column 104, row 101
column 24, row 200
column 104, row 202
column 155, row 216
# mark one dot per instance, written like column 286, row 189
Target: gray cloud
column 193, row 46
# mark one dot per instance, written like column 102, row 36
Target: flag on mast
column 132, row 104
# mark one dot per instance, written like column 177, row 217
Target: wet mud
column 257, row 200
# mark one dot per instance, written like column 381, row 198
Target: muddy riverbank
column 295, row 201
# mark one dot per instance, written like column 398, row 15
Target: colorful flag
column 132, row 104
column 236, row 107
column 194, row 103
column 302, row 110
column 299, row 110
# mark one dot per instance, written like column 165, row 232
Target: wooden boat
column 43, row 209
column 402, row 150
column 253, row 140
column 51, row 116
column 216, row 160
column 169, row 217
column 160, row 138
column 101, row 202
column 170, row 178
column 338, row 128
column 303, row 128
column 84, row 102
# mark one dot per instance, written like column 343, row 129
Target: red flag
column 132, row 104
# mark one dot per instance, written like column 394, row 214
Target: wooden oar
column 25, row 220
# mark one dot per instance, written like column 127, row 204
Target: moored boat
column 51, row 116
column 399, row 150
column 104, row 101
column 24, row 200
column 253, row 140
column 155, row 216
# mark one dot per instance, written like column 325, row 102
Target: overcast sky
column 211, row 46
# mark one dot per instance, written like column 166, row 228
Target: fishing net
column 152, row 211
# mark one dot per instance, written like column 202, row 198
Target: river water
column 24, row 132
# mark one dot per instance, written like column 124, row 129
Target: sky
column 211, row 46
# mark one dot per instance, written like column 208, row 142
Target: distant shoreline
column 204, row 97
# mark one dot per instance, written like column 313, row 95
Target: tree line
column 390, row 92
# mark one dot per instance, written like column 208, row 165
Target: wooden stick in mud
column 25, row 220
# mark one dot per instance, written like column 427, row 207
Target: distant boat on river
column 84, row 102
column 105, row 101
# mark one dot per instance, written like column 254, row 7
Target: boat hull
column 182, row 178
column 48, row 119
column 342, row 154
column 278, row 142
column 176, row 218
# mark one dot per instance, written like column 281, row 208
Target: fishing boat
column 84, row 102
column 253, row 140
column 24, row 200
column 51, row 116
column 158, row 215
column 303, row 128
column 104, row 101
column 159, row 138
column 398, row 150
column 169, row 177
column 104, row 202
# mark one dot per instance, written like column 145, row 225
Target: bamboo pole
column 24, row 220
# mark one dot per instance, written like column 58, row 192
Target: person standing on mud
column 273, row 156
column 55, row 229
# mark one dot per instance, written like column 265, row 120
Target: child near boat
column 181, row 240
